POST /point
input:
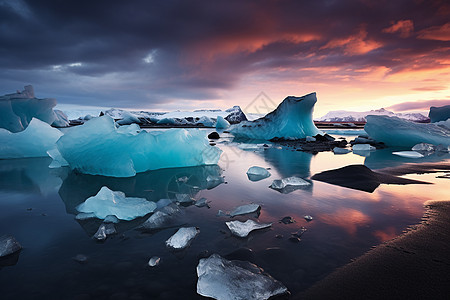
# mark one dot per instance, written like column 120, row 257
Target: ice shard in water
column 108, row 202
column 223, row 279
column 182, row 238
column 257, row 173
column 245, row 209
column 292, row 119
column 8, row 245
column 242, row 229
column 99, row 148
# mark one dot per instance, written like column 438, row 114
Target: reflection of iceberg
column 288, row 163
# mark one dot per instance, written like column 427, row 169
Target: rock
column 213, row 136
column 8, row 245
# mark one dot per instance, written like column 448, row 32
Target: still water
column 37, row 207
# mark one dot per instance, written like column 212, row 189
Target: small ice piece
column 287, row 220
column 408, row 154
column 100, row 235
column 163, row 203
column 202, row 202
column 111, row 219
column 222, row 123
column 8, row 245
column 242, row 229
column 245, row 209
column 213, row 181
column 85, row 216
column 154, row 261
column 257, row 173
column 337, row 150
column 280, row 184
column 308, row 218
column 222, row 279
column 108, row 202
column 423, row 147
column 221, row 213
column 363, row 147
column 182, row 238
column 184, row 198
column 310, row 138
column 161, row 218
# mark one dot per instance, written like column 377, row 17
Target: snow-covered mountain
column 358, row 116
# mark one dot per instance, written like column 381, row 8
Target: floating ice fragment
column 308, row 218
column 242, row 229
column 257, row 173
column 161, row 218
column 280, row 184
column 222, row 279
column 221, row 213
column 111, row 219
column 423, row 147
column 363, row 147
column 202, row 202
column 222, row 123
column 245, row 209
column 154, row 261
column 184, row 198
column 182, row 238
column 108, row 202
column 85, row 216
column 8, row 245
column 287, row 220
column 213, row 181
column 408, row 154
column 337, row 150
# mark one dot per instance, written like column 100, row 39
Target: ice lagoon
column 38, row 207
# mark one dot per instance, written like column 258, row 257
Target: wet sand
column 415, row 265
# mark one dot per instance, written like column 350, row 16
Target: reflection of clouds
column 347, row 218
column 387, row 234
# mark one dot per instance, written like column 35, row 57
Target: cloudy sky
column 166, row 55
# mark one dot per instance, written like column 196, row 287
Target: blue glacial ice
column 108, row 202
column 223, row 279
column 99, row 148
column 292, row 119
column 394, row 131
column 257, row 173
column 437, row 114
column 34, row 141
column 18, row 109
column 221, row 123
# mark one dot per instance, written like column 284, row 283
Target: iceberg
column 424, row 147
column 18, row 109
column 397, row 132
column 292, row 119
column 108, row 202
column 182, row 238
column 289, row 181
column 223, row 279
column 242, row 229
column 363, row 147
column 437, row 114
column 408, row 154
column 8, row 245
column 34, row 141
column 221, row 123
column 61, row 119
column 128, row 118
column 337, row 150
column 99, row 148
column 207, row 122
column 257, row 173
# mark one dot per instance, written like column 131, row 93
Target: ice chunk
column 222, row 279
column 85, row 216
column 158, row 220
column 34, row 141
column 167, row 121
column 423, row 147
column 408, row 154
column 8, row 245
column 289, row 181
column 108, row 202
column 308, row 218
column 154, row 261
column 337, row 150
column 257, row 173
column 182, row 238
column 58, row 161
column 111, row 219
column 208, row 122
column 397, row 132
column 128, row 118
column 310, row 139
column 437, row 114
column 363, row 147
column 61, row 119
column 221, row 123
column 183, row 198
column 245, row 209
column 105, row 230
column 17, row 110
column 202, row 202
column 242, row 229
column 292, row 119
column 98, row 148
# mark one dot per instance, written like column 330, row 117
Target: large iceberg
column 18, row 109
column 292, row 119
column 441, row 113
column 99, row 148
column 223, row 279
column 108, row 202
column 394, row 131
column 34, row 141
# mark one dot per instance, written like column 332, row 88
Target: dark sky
column 189, row 54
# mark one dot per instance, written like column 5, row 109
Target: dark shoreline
column 415, row 265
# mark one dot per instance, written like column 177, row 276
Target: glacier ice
column 85, row 216
column 257, row 173
column 437, row 114
column 408, row 154
column 108, row 202
column 221, row 123
column 18, row 109
column 293, row 181
column 206, row 121
column 182, row 238
column 363, row 147
column 8, row 245
column 34, row 141
column 292, row 119
column 99, row 148
column 423, row 147
column 397, row 132
column 337, row 150
column 61, row 119
column 163, row 218
column 242, row 229
column 223, row 279
column 245, row 209
column 128, row 118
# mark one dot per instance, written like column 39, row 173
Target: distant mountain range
column 358, row 116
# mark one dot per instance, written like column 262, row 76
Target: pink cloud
column 403, row 27
column 438, row 33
